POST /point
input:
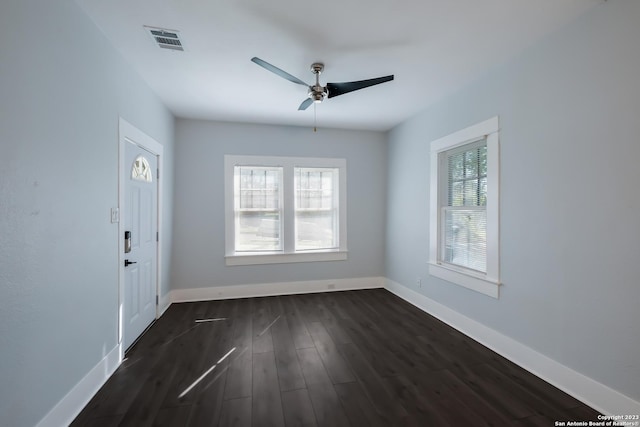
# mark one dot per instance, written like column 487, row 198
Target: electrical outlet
column 419, row 282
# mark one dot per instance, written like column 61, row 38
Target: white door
column 141, row 225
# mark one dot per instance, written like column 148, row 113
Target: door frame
column 129, row 133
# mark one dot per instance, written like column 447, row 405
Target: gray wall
column 570, row 237
column 199, row 201
column 62, row 89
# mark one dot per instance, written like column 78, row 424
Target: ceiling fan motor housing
column 317, row 93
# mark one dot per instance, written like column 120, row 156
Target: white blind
column 258, row 200
column 463, row 213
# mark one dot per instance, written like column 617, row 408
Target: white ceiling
column 433, row 47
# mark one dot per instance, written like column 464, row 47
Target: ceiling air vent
column 166, row 39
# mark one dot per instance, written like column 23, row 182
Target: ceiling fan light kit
column 317, row 93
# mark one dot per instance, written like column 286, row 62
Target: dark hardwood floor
column 355, row 358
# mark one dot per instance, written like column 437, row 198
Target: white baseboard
column 165, row 302
column 72, row 404
column 271, row 289
column 594, row 394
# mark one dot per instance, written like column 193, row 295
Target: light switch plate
column 115, row 215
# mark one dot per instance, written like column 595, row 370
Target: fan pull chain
column 315, row 121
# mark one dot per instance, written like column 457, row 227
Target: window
column 141, row 171
column 316, row 208
column 464, row 211
column 284, row 209
column 464, row 222
column 258, row 208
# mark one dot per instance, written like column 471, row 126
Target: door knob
column 127, row 262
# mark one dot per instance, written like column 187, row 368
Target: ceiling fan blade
column 336, row 89
column 277, row 71
column 305, row 104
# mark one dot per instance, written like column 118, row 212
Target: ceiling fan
column 318, row 93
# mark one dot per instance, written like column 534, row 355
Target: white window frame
column 288, row 253
column 486, row 283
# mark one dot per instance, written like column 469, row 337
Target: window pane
column 470, row 193
column 315, row 230
column 257, row 208
column 259, row 188
column 467, row 172
column 456, row 166
column 316, row 208
column 483, row 160
column 465, row 238
column 258, row 231
column 471, row 158
column 141, row 171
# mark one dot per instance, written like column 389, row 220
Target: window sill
column 280, row 258
column 477, row 283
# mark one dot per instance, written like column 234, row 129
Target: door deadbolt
column 127, row 242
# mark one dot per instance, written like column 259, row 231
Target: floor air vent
column 165, row 39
